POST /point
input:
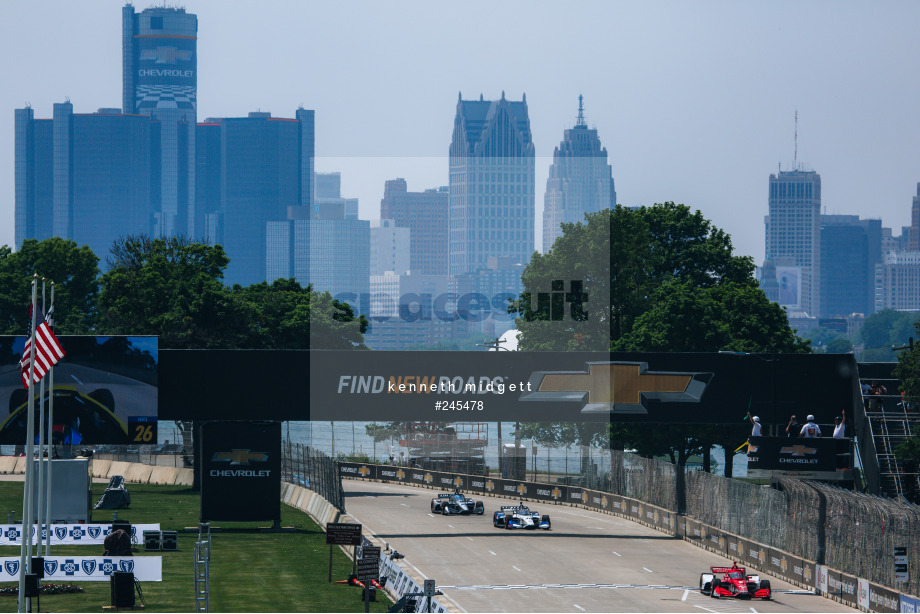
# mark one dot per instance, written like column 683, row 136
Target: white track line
column 432, row 515
column 492, row 553
column 404, row 505
column 468, row 537
column 707, row 609
column 648, row 570
column 516, row 568
column 448, row 597
column 452, row 526
column 579, row 607
column 686, row 594
column 618, row 554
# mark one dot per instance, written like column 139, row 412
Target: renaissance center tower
column 160, row 79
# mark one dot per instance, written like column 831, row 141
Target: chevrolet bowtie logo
column 401, row 474
column 798, row 450
column 364, row 471
column 556, row 493
column 617, row 387
column 240, row 457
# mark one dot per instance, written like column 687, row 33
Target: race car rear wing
column 444, row 496
column 726, row 569
column 508, row 508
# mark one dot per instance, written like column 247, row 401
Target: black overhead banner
column 675, row 388
column 793, row 454
column 241, row 471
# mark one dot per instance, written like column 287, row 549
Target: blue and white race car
column 455, row 503
column 520, row 517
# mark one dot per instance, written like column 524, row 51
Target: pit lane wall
column 848, row 589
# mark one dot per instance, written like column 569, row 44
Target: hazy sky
column 694, row 101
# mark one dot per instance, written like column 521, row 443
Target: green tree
column 169, row 287
column 883, row 330
column 74, row 271
column 286, row 315
column 658, row 278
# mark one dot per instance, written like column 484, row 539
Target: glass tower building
column 89, row 177
column 580, row 180
column 160, row 79
column 259, row 169
column 793, row 231
column 491, row 190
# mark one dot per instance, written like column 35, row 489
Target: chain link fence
column 310, row 468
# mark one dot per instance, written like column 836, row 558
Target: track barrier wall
column 771, row 529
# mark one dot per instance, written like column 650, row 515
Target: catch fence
column 310, row 468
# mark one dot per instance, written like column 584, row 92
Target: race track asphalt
column 588, row 562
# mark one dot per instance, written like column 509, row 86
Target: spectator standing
column 755, row 420
column 793, row 428
column 840, row 425
column 810, row 430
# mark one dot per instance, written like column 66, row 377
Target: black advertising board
column 547, row 492
column 800, row 455
column 343, row 534
column 883, row 599
column 241, row 471
column 230, row 384
column 502, row 386
column 715, row 540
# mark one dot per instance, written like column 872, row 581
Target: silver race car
column 520, row 517
column 455, row 503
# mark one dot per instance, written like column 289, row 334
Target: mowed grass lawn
column 251, row 571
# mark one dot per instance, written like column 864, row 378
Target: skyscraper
column 89, row 177
column 425, row 215
column 792, row 231
column 491, row 199
column 160, row 79
column 580, row 180
column 260, row 176
column 914, row 238
column 850, row 249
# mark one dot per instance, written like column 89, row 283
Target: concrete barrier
column 186, row 477
column 118, row 468
column 164, row 475
column 138, row 473
column 7, row 464
column 20, row 465
column 100, row 468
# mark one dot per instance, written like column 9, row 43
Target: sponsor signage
column 783, row 454
column 498, row 386
column 715, row 540
column 882, row 599
column 842, row 586
column 910, row 604
column 240, row 471
column 343, row 534
column 900, row 564
column 69, row 534
column 89, row 568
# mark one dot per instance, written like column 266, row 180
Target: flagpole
column 25, row 555
column 50, row 438
column 40, row 510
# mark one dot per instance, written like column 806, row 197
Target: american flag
column 48, row 351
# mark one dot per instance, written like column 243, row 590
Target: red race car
column 733, row 582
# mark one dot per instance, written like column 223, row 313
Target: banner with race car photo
column 70, row 534
column 89, row 568
column 105, row 391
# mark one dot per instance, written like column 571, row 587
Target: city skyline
column 694, row 103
